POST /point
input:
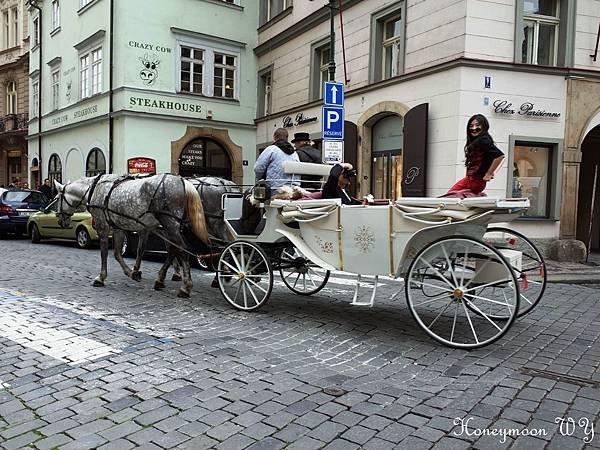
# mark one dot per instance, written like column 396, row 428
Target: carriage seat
column 291, row 210
column 303, row 168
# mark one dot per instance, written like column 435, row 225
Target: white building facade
column 173, row 90
column 528, row 65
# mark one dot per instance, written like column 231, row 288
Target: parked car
column 44, row 225
column 16, row 206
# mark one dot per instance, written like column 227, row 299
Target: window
column 224, row 80
column 265, row 88
column 36, row 32
column 90, row 73
column 6, row 29
column 15, row 19
column 55, row 14
column 192, row 63
column 209, row 72
column 320, row 69
column 55, row 88
column 95, row 164
column 11, row 97
column 82, row 3
column 387, row 44
column 35, row 98
column 540, row 32
column 55, row 168
column 272, row 8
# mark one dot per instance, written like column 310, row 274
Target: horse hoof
column 215, row 283
column 183, row 294
column 136, row 275
column 158, row 285
column 98, row 283
column 176, row 277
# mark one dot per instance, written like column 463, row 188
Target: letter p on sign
column 333, row 122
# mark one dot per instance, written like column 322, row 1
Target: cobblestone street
column 126, row 366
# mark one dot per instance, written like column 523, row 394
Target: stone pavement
column 580, row 273
column 125, row 366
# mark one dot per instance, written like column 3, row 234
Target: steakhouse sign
column 526, row 109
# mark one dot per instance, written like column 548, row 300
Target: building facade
column 415, row 71
column 124, row 92
column 14, row 69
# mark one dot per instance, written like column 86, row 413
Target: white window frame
column 11, row 98
column 194, row 63
column 36, row 31
column 267, row 93
column 35, row 97
column 537, row 20
column 223, row 67
column 394, row 45
column 6, row 28
column 90, row 72
column 270, row 13
column 83, row 3
column 55, row 88
column 209, row 49
column 55, row 14
column 15, row 25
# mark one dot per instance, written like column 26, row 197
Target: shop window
column 387, row 43
column 320, row 68
column 265, row 90
column 55, row 168
column 534, row 174
column 95, row 164
column 545, row 32
column 11, row 97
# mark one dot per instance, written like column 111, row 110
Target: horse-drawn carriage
column 464, row 282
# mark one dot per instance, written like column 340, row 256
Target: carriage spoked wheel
column 530, row 268
column 245, row 275
column 462, row 292
column 299, row 274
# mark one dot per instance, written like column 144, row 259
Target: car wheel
column 36, row 237
column 83, row 238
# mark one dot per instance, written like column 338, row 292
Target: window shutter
column 414, row 152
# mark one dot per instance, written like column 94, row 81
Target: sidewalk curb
column 565, row 278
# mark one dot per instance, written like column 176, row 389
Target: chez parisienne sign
column 300, row 119
column 527, row 109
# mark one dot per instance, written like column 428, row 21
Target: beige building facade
column 14, row 68
column 528, row 66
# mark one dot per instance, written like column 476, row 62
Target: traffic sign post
column 333, row 94
column 333, row 122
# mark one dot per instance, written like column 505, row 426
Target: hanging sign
column 141, row 165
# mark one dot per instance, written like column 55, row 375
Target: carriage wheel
column 299, row 274
column 450, row 283
column 245, row 275
column 532, row 273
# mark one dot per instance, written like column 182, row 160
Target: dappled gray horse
column 159, row 204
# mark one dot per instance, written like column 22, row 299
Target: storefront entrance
column 386, row 166
column 204, row 157
column 588, row 215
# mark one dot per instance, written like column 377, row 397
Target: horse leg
column 176, row 271
column 118, row 237
column 186, row 285
column 136, row 274
column 162, row 273
column 99, row 280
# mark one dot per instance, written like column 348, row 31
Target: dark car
column 16, row 205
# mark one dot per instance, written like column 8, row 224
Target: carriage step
column 355, row 299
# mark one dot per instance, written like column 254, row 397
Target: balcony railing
column 14, row 122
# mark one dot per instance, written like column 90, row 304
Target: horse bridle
column 86, row 196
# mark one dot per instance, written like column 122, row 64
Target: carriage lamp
column 261, row 191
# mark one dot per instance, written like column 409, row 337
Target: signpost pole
column 332, row 41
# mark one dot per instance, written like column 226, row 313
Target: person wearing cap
column 269, row 164
column 307, row 153
column 338, row 181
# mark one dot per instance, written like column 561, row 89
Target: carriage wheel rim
column 303, row 280
column 244, row 276
column 453, row 301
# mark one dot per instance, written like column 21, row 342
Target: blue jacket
column 269, row 165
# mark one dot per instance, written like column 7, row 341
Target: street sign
column 333, row 152
column 333, row 122
column 333, row 93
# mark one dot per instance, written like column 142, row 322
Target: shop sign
column 192, row 155
column 149, row 46
column 78, row 114
column 141, row 165
column 164, row 104
column 300, row 119
column 526, row 109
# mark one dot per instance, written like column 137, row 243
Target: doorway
column 588, row 215
column 386, row 165
column 204, row 157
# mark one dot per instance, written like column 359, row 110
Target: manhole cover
column 335, row 391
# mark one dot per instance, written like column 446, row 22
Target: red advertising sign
column 141, row 165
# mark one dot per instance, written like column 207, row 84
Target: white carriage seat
column 303, row 168
column 291, row 210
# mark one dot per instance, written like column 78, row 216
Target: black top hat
column 301, row 137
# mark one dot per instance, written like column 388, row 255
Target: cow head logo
column 149, row 72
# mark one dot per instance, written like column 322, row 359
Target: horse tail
column 195, row 212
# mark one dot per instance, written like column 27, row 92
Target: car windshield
column 24, row 197
column 52, row 206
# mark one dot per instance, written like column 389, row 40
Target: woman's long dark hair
column 472, row 141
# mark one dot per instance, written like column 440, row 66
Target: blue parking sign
column 333, row 93
column 333, row 122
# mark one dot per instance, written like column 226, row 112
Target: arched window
column 95, row 164
column 55, row 168
column 11, row 97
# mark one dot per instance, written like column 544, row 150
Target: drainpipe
column 33, row 4
column 110, row 89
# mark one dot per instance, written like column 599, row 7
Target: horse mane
column 195, row 212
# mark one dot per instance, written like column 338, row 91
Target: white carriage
column 462, row 291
